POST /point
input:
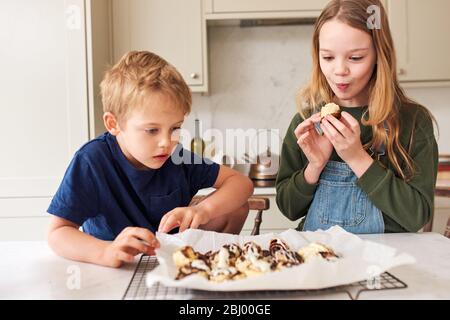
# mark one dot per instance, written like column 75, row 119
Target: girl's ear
column 111, row 123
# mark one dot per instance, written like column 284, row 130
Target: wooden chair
column 442, row 187
column 447, row 229
column 259, row 204
column 439, row 191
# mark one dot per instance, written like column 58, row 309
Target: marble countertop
column 30, row 270
column 258, row 191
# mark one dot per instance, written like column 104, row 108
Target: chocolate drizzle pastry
column 231, row 262
column 282, row 254
column 253, row 261
column 317, row 250
column 190, row 262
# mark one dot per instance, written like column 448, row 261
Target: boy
column 129, row 183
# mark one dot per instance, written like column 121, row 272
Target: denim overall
column 339, row 201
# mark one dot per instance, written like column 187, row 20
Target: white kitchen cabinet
column 420, row 31
column 44, row 107
column 173, row 29
column 266, row 5
column 260, row 9
column 100, row 58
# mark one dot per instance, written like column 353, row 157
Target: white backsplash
column 255, row 73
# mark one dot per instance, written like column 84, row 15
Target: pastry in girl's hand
column 332, row 109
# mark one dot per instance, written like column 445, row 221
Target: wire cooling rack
column 138, row 290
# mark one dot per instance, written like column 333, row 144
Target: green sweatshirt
column 406, row 206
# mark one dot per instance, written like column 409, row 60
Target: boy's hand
column 184, row 217
column 130, row 242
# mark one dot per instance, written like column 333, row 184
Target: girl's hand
column 185, row 218
column 129, row 243
column 316, row 148
column 345, row 135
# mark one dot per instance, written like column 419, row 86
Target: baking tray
column 138, row 290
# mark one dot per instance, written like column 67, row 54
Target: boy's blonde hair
column 385, row 94
column 137, row 75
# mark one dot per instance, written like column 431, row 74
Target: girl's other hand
column 316, row 148
column 345, row 135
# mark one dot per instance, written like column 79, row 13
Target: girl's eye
column 327, row 58
column 356, row 58
column 151, row 131
column 176, row 129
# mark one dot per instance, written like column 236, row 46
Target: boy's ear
column 111, row 123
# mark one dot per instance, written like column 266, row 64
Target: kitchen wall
column 256, row 71
column 437, row 100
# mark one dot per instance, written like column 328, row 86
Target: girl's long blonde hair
column 385, row 94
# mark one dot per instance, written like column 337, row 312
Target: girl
column 374, row 170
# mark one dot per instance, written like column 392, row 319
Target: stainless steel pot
column 266, row 166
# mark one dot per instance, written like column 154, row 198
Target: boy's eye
column 151, row 131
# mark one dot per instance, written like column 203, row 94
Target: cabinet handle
column 401, row 72
column 194, row 75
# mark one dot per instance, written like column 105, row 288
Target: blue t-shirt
column 104, row 193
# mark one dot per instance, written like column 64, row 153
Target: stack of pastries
column 231, row 262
